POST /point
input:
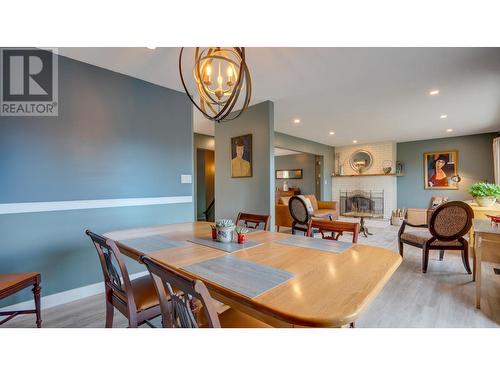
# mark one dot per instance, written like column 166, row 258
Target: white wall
column 375, row 183
column 379, row 151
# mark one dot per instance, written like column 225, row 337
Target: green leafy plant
column 224, row 223
column 241, row 230
column 484, row 189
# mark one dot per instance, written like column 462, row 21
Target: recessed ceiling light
column 449, row 130
column 434, row 92
column 332, row 133
column 444, row 115
column 296, row 121
column 355, row 141
column 151, row 47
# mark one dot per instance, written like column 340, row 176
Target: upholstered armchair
column 445, row 230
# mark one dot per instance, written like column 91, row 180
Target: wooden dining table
column 328, row 289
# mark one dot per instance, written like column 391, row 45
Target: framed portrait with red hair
column 441, row 170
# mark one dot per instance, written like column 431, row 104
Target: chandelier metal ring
column 217, row 103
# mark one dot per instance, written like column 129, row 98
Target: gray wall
column 475, row 163
column 305, row 162
column 249, row 194
column 115, row 137
column 302, row 145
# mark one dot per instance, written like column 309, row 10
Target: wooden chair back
column 451, row 221
column 337, row 227
column 116, row 276
column 177, row 307
column 254, row 221
column 298, row 210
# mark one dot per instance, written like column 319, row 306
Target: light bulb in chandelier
column 226, row 97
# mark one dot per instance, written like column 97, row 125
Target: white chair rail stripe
column 26, row 207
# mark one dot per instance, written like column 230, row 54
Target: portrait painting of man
column 241, row 156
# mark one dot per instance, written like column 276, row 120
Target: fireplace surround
column 362, row 201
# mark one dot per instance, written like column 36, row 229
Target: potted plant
column 225, row 230
column 484, row 194
column 241, row 231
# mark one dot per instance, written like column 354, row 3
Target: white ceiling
column 367, row 94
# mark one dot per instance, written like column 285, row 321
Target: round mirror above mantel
column 361, row 160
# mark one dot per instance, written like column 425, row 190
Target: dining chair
column 254, row 221
column 300, row 214
column 15, row 282
column 444, row 231
column 136, row 299
column 191, row 305
column 335, row 228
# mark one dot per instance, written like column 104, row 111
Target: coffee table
column 361, row 216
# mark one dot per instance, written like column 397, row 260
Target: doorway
column 310, row 176
column 205, row 184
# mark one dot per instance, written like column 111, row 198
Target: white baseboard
column 71, row 295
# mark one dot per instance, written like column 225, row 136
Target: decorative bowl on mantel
column 387, row 166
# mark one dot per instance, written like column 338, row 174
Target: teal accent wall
column 115, row 137
column 328, row 152
column 306, row 162
column 475, row 163
column 247, row 194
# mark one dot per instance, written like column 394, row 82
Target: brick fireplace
column 362, row 201
column 387, row 184
column 372, row 180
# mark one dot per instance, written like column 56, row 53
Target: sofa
column 284, row 219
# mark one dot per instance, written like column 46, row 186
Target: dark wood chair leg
column 293, row 228
column 38, row 311
column 110, row 310
column 352, row 325
column 465, row 259
column 425, row 259
column 277, row 228
column 401, row 248
column 441, row 254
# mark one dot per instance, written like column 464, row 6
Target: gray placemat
column 242, row 276
column 152, row 243
column 230, row 247
column 316, row 244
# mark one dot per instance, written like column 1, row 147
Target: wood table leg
column 36, row 294
column 477, row 261
column 472, row 252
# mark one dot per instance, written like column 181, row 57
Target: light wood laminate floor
column 444, row 297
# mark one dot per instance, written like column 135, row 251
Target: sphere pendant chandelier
column 222, row 81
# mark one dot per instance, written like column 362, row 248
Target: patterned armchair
column 445, row 230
